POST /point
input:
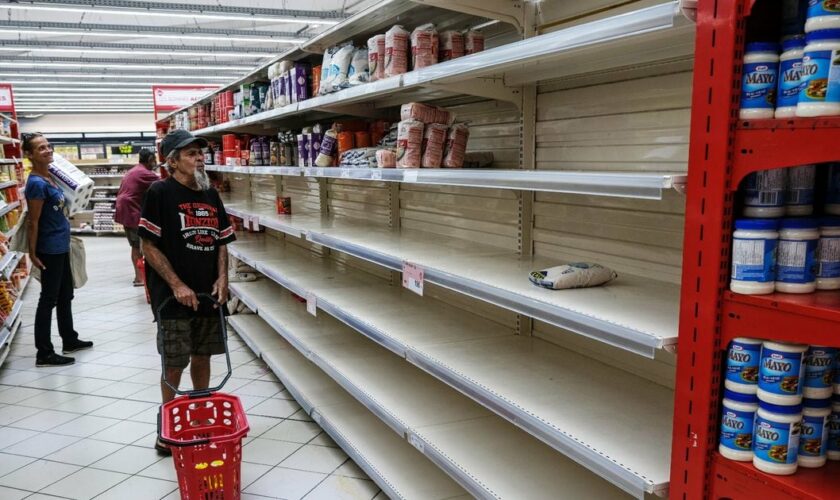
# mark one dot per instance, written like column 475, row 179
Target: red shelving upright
column 722, row 152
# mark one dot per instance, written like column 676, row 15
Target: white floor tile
column 45, row 420
column 285, row 483
column 162, row 469
column 85, row 425
column 267, row 451
column 15, row 395
column 85, row 404
column 260, row 388
column 85, row 484
column 350, row 469
column 278, row 408
column 51, row 381
column 294, row 431
column 48, row 399
column 40, row 445
column 343, row 488
column 140, row 488
column 324, row 439
column 128, row 460
column 122, row 409
column 251, row 472
column 9, row 436
column 85, row 385
column 19, row 377
column 13, row 494
column 10, row 463
column 37, row 475
column 119, row 389
column 12, row 413
column 85, row 452
column 315, row 458
column 258, row 425
column 125, row 432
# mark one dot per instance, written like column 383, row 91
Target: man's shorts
column 178, row 339
column 133, row 237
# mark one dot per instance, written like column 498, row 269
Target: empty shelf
column 565, row 399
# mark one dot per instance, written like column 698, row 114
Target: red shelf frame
column 722, row 151
column 742, row 480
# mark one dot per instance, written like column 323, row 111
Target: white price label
column 410, row 175
column 412, row 277
column 416, row 442
column 312, row 304
column 345, row 173
column 376, row 175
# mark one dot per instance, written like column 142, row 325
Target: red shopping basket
column 204, row 430
column 205, row 436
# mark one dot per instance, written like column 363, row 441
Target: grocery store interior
column 483, row 248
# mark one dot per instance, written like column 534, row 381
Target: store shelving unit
column 583, row 377
column 11, row 325
column 723, row 151
column 97, row 217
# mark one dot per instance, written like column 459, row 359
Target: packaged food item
column 796, row 256
column 386, row 158
column 799, row 197
column 736, row 427
column 758, row 84
column 426, row 113
column 473, row 42
column 790, row 76
column 813, row 439
column 358, row 73
column 376, row 57
column 776, row 438
column 346, row 142
column 451, row 45
column 362, row 139
column 456, row 146
column 819, row 93
column 329, row 146
column 575, row 275
column 325, row 87
column 754, row 244
column 358, row 158
column 742, row 364
column 396, row 51
column 764, row 193
column 424, row 46
column 315, row 82
column 781, row 372
column 409, row 143
column 819, row 371
column 434, row 139
column 828, row 255
column 339, row 68
column 284, row 205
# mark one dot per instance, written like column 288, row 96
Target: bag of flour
column 575, row 275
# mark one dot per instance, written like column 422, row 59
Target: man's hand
column 37, row 262
column 185, row 296
column 220, row 289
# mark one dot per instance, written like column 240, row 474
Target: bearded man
column 184, row 230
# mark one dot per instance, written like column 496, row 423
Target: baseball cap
column 178, row 139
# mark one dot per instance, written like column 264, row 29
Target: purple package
column 266, row 150
column 329, row 145
column 290, row 87
column 283, row 96
column 300, row 79
column 315, row 142
column 303, row 150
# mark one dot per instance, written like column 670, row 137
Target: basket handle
column 223, row 331
column 193, row 442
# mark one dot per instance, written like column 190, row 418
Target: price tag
column 345, row 173
column 417, row 443
column 410, row 175
column 312, row 304
column 376, row 175
column 255, row 223
column 412, row 278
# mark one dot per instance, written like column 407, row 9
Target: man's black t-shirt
column 188, row 226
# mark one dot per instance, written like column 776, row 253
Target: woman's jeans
column 56, row 292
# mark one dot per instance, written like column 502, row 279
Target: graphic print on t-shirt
column 199, row 226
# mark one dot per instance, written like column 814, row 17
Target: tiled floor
column 86, row 431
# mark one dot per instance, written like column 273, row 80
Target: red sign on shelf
column 7, row 101
column 172, row 97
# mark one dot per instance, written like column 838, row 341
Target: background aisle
column 87, row 431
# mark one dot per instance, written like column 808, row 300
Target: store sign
column 7, row 103
column 125, row 149
column 171, row 97
column 412, row 277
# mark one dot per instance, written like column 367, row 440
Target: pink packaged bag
column 396, row 51
column 376, row 57
column 409, row 143
column 451, row 45
column 424, row 46
column 456, row 146
column 434, row 139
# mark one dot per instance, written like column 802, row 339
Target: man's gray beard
column 202, row 180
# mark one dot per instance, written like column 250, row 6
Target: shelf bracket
column 491, row 88
column 511, row 12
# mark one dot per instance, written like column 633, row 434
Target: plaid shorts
column 178, row 339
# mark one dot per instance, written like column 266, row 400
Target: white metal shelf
column 525, row 380
column 16, row 308
column 644, row 185
column 9, row 262
column 103, row 164
column 8, row 140
column 401, row 471
column 9, row 161
column 9, row 207
column 110, row 198
column 106, row 176
column 8, row 117
column 407, row 399
column 634, row 313
column 105, row 188
column 13, row 231
column 95, row 232
column 8, row 184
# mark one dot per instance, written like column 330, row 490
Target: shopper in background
column 129, row 201
column 49, row 251
column 184, row 230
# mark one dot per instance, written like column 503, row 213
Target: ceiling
column 76, row 56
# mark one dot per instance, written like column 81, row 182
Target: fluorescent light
column 86, row 100
column 174, row 52
column 51, row 91
column 197, row 15
column 120, row 77
column 214, row 37
column 53, row 81
column 117, row 66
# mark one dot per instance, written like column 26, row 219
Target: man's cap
column 178, row 139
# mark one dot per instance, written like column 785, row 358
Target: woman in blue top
column 49, row 250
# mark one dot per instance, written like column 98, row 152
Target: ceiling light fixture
column 214, row 37
column 112, row 66
column 171, row 53
column 41, row 74
column 73, row 84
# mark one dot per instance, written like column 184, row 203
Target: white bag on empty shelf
column 575, row 275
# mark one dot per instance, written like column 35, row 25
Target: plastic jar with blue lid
column 832, row 194
column 764, row 193
column 742, row 363
column 781, row 372
column 799, row 197
column 796, row 268
column 754, row 256
column 828, row 254
column 820, row 91
column 736, row 425
column 758, row 84
column 833, row 447
column 790, row 76
column 819, row 372
column 813, row 439
column 822, row 15
column 776, row 438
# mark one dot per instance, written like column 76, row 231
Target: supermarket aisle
column 87, row 431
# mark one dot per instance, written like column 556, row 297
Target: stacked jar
column 820, row 91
